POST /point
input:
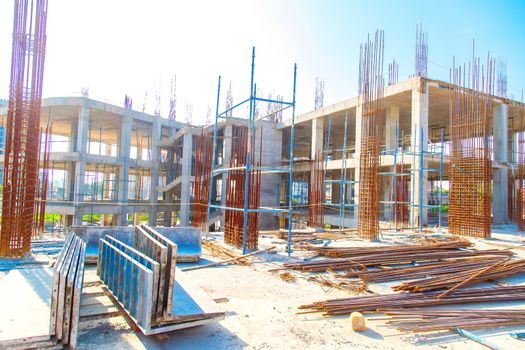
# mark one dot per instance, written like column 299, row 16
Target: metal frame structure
column 418, row 156
column 252, row 100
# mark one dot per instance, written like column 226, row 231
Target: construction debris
column 217, row 250
column 288, row 277
column 228, row 260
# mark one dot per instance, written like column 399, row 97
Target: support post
column 500, row 203
column 80, row 166
column 419, row 177
column 124, row 153
column 185, row 195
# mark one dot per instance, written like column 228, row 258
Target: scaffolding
column 248, row 167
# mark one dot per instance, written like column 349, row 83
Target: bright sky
column 116, row 47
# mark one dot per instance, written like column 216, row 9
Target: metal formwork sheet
column 169, row 271
column 135, row 295
column 151, row 247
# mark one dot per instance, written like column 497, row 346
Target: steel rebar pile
column 235, row 193
column 362, row 261
column 203, row 159
column 471, row 165
column 371, row 84
column 449, row 280
column 372, row 303
column 428, row 320
column 421, row 52
column 23, row 127
column 315, row 192
column 353, row 252
column 453, row 266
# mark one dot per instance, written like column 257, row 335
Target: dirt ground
column 262, row 311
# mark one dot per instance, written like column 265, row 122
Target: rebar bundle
column 358, row 259
column 471, row 165
column 393, row 73
column 371, row 85
column 203, row 157
column 315, row 192
column 428, row 320
column 501, row 269
column 235, row 193
column 421, row 52
column 344, row 306
column 23, row 127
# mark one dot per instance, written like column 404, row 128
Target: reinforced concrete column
column 156, row 134
column 185, row 195
column 500, row 203
column 226, row 156
column 387, row 185
column 170, row 176
column 419, row 185
column 124, row 151
column 358, row 120
column 392, row 119
column 80, row 165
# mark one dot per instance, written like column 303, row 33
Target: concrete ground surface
column 262, row 310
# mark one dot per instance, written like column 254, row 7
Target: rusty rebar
column 23, row 127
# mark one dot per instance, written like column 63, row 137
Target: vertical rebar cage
column 244, row 172
column 471, row 164
column 371, row 85
column 23, row 127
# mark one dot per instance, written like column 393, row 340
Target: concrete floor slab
column 25, row 302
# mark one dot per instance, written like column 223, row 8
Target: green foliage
column 91, row 217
